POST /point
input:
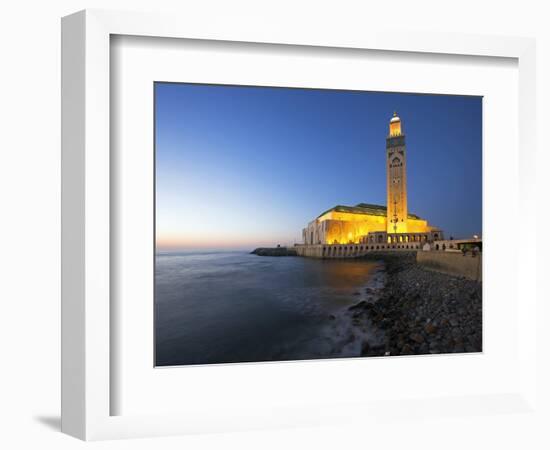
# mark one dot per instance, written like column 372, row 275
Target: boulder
column 430, row 328
column 361, row 304
column 417, row 337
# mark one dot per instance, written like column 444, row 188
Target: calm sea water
column 221, row 307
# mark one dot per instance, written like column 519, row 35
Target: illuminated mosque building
column 353, row 230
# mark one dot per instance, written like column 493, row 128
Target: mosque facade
column 353, row 230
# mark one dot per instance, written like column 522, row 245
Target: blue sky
column 239, row 167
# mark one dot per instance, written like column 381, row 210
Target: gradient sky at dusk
column 241, row 167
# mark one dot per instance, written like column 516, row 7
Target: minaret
column 396, row 172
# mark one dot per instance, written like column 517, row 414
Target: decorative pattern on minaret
column 396, row 172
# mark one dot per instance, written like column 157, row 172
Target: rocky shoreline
column 421, row 311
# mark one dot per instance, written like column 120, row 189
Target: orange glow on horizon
column 178, row 242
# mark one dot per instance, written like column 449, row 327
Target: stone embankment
column 422, row 311
column 274, row 251
column 468, row 265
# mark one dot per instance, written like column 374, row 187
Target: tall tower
column 396, row 173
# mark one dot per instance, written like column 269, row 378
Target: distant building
column 366, row 226
column 456, row 245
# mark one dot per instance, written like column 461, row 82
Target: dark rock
column 417, row 337
column 456, row 333
column 430, row 328
column 361, row 304
column 458, row 340
column 407, row 350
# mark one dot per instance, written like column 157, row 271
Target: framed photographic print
column 253, row 217
column 239, row 169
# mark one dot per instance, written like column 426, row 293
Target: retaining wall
column 351, row 250
column 453, row 263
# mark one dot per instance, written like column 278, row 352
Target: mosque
column 346, row 231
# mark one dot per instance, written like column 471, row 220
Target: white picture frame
column 86, row 240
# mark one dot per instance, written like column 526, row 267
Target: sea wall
column 351, row 250
column 274, row 251
column 452, row 263
column 310, row 251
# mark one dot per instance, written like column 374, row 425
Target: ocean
column 227, row 307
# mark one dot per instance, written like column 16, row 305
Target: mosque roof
column 364, row 208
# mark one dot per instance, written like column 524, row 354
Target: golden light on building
column 395, row 125
column 376, row 224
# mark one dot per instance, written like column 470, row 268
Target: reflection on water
column 235, row 307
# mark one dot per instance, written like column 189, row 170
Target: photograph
column 305, row 224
